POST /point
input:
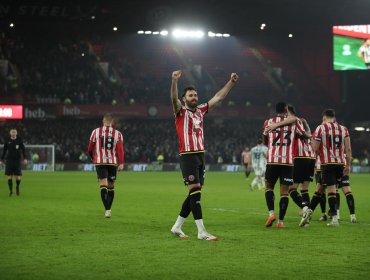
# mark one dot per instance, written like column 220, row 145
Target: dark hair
column 259, row 141
column 291, row 109
column 280, row 107
column 188, row 88
column 330, row 113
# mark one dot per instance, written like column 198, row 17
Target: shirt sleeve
column 4, row 151
column 318, row 133
column 264, row 127
column 92, row 137
column 299, row 128
column 23, row 149
column 203, row 108
column 346, row 134
column 120, row 150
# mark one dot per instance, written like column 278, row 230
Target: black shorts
column 344, row 182
column 106, row 171
column 193, row 168
column 331, row 174
column 276, row 171
column 13, row 167
column 318, row 177
column 303, row 170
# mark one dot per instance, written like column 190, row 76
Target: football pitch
column 345, row 53
column 56, row 230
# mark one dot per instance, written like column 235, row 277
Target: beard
column 192, row 104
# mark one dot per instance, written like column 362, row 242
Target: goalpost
column 40, row 157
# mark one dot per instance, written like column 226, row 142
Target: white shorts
column 259, row 170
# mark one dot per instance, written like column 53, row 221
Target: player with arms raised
column 189, row 127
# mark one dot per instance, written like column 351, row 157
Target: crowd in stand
column 82, row 71
column 144, row 140
column 50, row 69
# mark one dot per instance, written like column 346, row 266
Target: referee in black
column 13, row 150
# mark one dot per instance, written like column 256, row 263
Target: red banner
column 357, row 31
column 11, row 112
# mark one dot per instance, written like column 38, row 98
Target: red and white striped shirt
column 189, row 127
column 332, row 148
column 365, row 51
column 302, row 147
column 106, row 144
column 280, row 141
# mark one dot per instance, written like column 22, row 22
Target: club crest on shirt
column 191, row 178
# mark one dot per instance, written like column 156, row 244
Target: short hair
column 259, row 141
column 280, row 107
column 188, row 88
column 108, row 118
column 330, row 113
column 291, row 109
column 13, row 128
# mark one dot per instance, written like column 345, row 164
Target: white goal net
column 40, row 157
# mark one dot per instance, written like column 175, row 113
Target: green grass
column 347, row 62
column 56, row 230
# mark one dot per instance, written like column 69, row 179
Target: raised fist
column 234, row 77
column 176, row 74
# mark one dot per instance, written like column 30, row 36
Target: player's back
column 258, row 154
column 332, row 137
column 280, row 141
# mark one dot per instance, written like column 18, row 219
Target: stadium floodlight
column 155, row 33
column 115, row 28
column 148, row 32
column 360, row 128
column 290, row 35
column 11, row 25
column 164, row 33
column 92, row 17
column 140, row 32
column 226, row 35
column 218, row 35
column 82, row 54
column 211, row 34
column 367, row 129
column 180, row 33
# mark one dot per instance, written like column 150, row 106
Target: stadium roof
column 234, row 16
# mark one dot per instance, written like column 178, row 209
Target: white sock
column 179, row 222
column 280, row 222
column 200, row 225
column 271, row 212
column 335, row 219
column 254, row 182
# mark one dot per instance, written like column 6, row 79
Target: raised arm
column 221, row 94
column 176, row 104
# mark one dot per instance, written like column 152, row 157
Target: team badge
column 191, row 177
